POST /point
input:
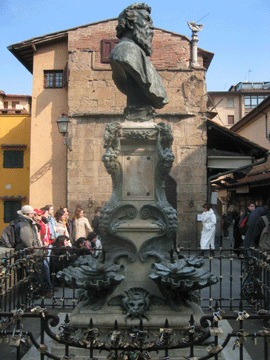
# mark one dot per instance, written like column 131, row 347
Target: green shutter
column 10, row 210
column 13, row 159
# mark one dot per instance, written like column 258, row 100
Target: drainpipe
column 230, row 172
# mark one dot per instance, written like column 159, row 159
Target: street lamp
column 63, row 127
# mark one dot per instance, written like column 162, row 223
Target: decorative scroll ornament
column 114, row 212
column 96, row 280
column 115, row 245
column 139, row 135
column 161, row 213
column 180, row 278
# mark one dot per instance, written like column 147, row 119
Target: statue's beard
column 143, row 37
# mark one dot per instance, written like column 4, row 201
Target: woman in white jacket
column 80, row 225
column 209, row 228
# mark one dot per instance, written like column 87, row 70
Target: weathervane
column 195, row 28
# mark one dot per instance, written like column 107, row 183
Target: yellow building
column 15, row 121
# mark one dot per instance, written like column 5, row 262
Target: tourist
column 80, row 224
column 45, row 228
column 69, row 225
column 61, row 254
column 81, row 245
column 37, row 219
column 260, row 225
column 60, row 218
column 95, row 221
column 238, row 241
column 209, row 227
column 52, row 222
column 95, row 244
column 25, row 229
column 252, row 220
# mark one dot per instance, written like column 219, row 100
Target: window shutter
column 13, row 159
column 14, row 104
column 10, row 210
column 66, row 75
column 230, row 119
column 107, row 46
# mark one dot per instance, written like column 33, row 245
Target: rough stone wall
column 94, row 101
column 87, row 176
column 91, row 88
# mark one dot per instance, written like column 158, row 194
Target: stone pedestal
column 138, row 228
column 105, row 317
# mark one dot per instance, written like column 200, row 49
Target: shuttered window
column 230, row 119
column 10, row 210
column 13, row 159
column 106, row 47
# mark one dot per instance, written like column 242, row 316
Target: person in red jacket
column 45, row 228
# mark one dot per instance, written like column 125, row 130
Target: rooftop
column 250, row 86
column 24, row 50
column 2, row 93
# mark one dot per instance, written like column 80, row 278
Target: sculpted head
column 135, row 22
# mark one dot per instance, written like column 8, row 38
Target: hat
column 39, row 212
column 26, row 209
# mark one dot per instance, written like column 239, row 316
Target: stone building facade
column 91, row 101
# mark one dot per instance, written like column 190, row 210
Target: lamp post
column 63, row 127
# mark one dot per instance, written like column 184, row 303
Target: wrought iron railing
column 240, row 278
column 243, row 280
column 135, row 343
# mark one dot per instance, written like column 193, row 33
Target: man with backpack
column 261, row 234
column 252, row 220
column 25, row 232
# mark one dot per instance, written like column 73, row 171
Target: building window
column 14, row 104
column 53, row 79
column 13, row 159
column 10, row 210
column 230, row 119
column 230, row 102
column 251, row 101
column 5, row 104
column 106, row 47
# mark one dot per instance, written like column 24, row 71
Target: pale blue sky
column 236, row 31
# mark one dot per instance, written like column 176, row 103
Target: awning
column 227, row 150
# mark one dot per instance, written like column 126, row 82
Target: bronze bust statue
column 133, row 72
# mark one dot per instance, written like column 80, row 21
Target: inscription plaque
column 138, row 177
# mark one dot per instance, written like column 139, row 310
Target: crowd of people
column 62, row 239
column 248, row 227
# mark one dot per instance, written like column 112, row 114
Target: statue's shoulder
column 125, row 50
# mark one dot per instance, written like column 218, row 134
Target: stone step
column 84, row 354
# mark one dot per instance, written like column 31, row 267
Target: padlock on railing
column 17, row 314
column 216, row 331
column 214, row 349
column 242, row 315
column 43, row 348
column 16, row 337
